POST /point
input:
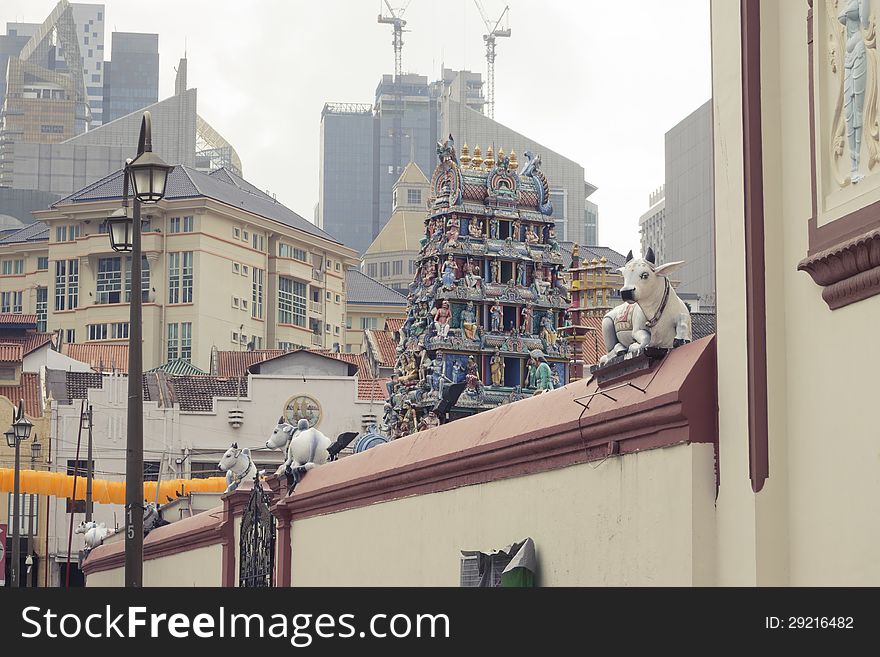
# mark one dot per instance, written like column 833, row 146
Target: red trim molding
column 753, row 181
column 678, row 406
column 843, row 255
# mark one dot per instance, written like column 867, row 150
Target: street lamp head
column 10, row 437
column 120, row 225
column 22, row 428
column 36, row 448
column 149, row 173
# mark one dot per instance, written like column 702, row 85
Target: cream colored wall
column 812, row 524
column 355, row 335
column 640, row 519
column 200, row 567
column 32, row 278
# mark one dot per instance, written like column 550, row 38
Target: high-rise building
column 689, row 199
column 89, row 19
column 364, row 150
column 591, row 218
column 652, row 225
column 131, row 77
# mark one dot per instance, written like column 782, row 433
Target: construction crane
column 395, row 19
column 494, row 30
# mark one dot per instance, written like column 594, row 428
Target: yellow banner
column 58, row 484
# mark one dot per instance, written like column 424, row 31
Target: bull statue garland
column 652, row 315
column 238, row 466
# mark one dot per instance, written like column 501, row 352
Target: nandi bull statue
column 238, row 466
column 652, row 315
column 305, row 447
column 95, row 533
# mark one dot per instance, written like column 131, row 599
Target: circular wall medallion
column 302, row 406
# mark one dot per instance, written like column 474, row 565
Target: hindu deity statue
column 442, row 319
column 497, row 314
column 496, row 365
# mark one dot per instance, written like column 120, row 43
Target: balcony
column 316, row 308
column 317, row 340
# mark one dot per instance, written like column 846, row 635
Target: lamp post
column 147, row 174
column 21, row 430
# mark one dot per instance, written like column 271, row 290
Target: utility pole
column 89, row 470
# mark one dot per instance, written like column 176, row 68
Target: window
column 42, row 308
column 236, row 232
column 291, row 302
column 385, row 269
column 326, row 328
column 203, row 469
column 42, row 263
column 414, row 196
column 368, row 322
column 287, row 251
column 259, row 242
column 145, row 279
column 235, row 303
column 18, row 267
column 257, row 341
column 180, row 277
column 151, row 470
column 109, row 280
column 245, row 270
column 188, row 224
column 257, row 297
column 338, row 299
column 371, row 270
column 173, row 341
column 329, row 262
column 28, row 520
column 337, row 266
column 236, row 268
column 336, row 330
column 10, row 302
column 398, row 267
column 7, row 267
column 329, row 296
column 111, row 331
column 70, row 336
column 174, row 225
column 66, row 284
column 186, row 340
column 245, row 236
column 67, row 233
column 348, row 322
column 244, row 304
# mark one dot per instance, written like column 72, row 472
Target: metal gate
column 257, row 542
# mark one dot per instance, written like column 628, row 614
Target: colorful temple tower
column 488, row 295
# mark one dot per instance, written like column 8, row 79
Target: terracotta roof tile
column 373, row 389
column 363, row 364
column 30, row 342
column 236, row 363
column 197, row 393
column 101, row 356
column 10, row 353
column 29, row 391
column 385, row 346
column 394, row 323
column 18, row 318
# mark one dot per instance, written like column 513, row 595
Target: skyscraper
column 131, row 77
column 365, row 149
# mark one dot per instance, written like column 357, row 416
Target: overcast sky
column 599, row 82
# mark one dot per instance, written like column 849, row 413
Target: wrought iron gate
column 257, row 542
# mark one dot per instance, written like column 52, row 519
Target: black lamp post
column 21, row 430
column 147, row 174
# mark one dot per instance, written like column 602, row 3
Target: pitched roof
column 29, row 342
column 35, row 232
column 360, row 360
column 101, row 356
column 702, row 324
column 394, row 324
column 17, row 320
column 10, row 353
column 587, row 253
column 360, row 288
column 28, row 391
column 236, row 363
column 185, row 182
column 178, row 367
column 384, row 345
column 352, row 367
column 412, row 175
column 227, row 175
column 373, row 389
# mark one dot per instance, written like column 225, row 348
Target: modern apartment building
column 224, row 264
column 652, row 225
column 365, row 149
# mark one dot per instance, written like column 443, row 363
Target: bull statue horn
column 281, row 420
column 234, row 445
column 629, row 256
column 650, row 256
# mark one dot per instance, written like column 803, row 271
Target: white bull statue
column 95, row 533
column 305, row 447
column 238, row 466
column 652, row 315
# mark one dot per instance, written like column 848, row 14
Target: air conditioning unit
column 235, row 417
